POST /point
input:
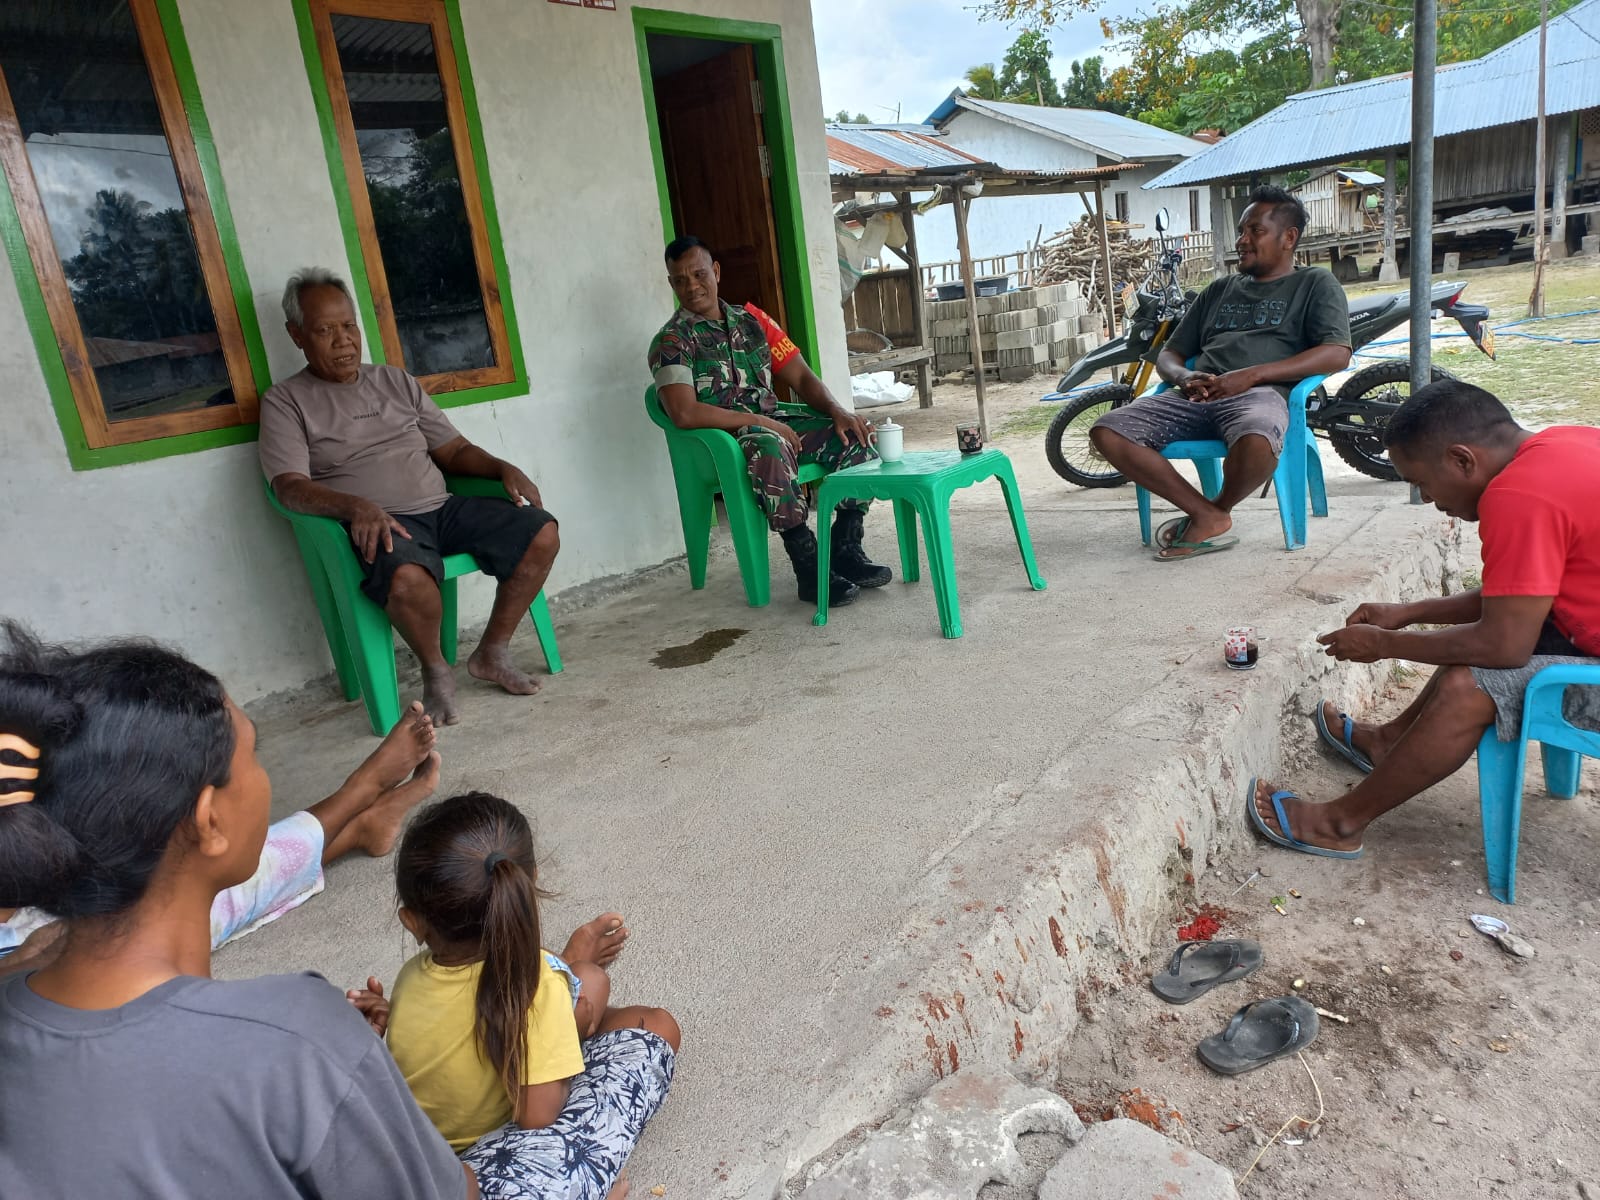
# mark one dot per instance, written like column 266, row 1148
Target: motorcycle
column 1353, row 418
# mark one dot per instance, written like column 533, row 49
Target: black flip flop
column 1197, row 967
column 1261, row 1032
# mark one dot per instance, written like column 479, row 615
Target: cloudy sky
column 913, row 52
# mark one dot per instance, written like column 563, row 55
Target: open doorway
column 708, row 102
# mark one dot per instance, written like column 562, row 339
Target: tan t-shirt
column 369, row 438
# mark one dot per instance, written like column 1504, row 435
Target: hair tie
column 30, row 752
column 489, row 863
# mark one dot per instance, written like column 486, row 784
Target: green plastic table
column 920, row 485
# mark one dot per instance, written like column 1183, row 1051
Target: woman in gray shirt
column 130, row 795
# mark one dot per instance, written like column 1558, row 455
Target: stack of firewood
column 1074, row 255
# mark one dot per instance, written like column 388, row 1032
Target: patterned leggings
column 774, row 465
column 625, row 1079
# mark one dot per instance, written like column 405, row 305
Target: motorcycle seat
column 1371, row 308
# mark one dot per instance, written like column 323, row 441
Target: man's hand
column 372, row 529
column 1384, row 616
column 1195, row 385
column 850, row 427
column 370, row 1003
column 782, row 430
column 1356, row 643
column 1231, row 383
column 518, row 486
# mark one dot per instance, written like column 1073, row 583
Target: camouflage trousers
column 773, row 464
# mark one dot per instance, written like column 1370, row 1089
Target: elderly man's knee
column 412, row 584
column 545, row 546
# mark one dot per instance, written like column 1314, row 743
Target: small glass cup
column 969, row 438
column 1239, row 649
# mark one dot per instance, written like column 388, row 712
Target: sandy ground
column 1463, row 1071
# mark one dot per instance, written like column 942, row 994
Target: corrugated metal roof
column 854, row 148
column 1104, row 133
column 1359, row 118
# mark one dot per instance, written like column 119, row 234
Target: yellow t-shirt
column 430, row 1035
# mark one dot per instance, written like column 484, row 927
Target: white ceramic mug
column 891, row 441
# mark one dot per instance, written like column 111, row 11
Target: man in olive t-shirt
column 1252, row 337
column 366, row 445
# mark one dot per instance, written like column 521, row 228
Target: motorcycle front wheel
column 1382, row 388
column 1067, row 445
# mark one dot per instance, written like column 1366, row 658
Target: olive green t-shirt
column 1237, row 322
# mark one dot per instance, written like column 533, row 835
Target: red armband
column 779, row 343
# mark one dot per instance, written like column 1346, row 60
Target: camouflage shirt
column 727, row 362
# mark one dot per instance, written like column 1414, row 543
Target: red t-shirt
column 1539, row 521
column 778, row 342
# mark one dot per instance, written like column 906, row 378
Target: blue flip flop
column 1344, row 747
column 1286, row 839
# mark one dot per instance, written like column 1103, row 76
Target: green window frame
column 68, row 402
column 449, row 391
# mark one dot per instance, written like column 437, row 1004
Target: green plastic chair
column 704, row 463
column 358, row 631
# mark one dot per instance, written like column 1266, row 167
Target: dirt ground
column 1463, row 1071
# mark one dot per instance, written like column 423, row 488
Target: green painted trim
column 477, row 395
column 205, row 146
column 360, row 281
column 491, row 218
column 80, row 455
column 356, row 262
column 777, row 124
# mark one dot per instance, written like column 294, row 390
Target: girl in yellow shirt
column 510, row 1050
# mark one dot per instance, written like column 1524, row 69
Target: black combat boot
column 801, row 544
column 849, row 559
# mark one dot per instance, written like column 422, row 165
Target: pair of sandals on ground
column 1262, row 1031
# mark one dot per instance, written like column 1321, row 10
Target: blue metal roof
column 1104, row 133
column 1357, row 119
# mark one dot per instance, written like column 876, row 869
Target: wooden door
column 717, row 172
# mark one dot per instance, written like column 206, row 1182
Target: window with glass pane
column 414, row 190
column 132, row 276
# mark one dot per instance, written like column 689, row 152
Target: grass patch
column 1030, row 421
column 1543, row 383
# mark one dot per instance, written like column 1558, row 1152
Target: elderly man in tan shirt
column 366, row 445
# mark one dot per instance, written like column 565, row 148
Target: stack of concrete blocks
column 1031, row 331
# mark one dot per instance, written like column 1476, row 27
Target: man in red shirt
column 1536, row 498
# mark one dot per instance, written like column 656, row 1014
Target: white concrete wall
column 1008, row 224
column 185, row 549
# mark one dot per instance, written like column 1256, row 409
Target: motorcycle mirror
column 1163, row 220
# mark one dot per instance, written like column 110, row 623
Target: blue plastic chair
column 1298, row 473
column 1501, row 765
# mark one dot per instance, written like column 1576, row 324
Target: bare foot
column 406, row 745
column 439, row 694
column 1319, row 825
column 1366, row 738
column 374, row 831
column 620, row 1189
column 1199, row 529
column 494, row 664
column 599, row 942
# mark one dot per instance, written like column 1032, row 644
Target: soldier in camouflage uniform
column 713, row 365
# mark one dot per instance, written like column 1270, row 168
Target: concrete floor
column 827, row 840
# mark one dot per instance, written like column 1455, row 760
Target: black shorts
column 496, row 532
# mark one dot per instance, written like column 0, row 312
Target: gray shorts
column 1158, row 421
column 1507, row 687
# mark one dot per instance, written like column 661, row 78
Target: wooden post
column 1558, row 185
column 1105, row 258
column 973, row 334
column 1536, row 299
column 1390, row 271
column 1220, row 228
column 919, row 311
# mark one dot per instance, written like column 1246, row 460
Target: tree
column 843, row 117
column 1025, row 76
column 1087, row 87
column 983, row 83
column 137, row 274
